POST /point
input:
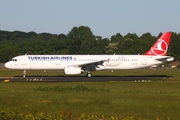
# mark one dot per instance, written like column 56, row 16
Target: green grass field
column 158, row 99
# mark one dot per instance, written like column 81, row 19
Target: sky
column 104, row 17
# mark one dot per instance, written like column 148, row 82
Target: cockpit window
column 14, row 59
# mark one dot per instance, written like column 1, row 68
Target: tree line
column 79, row 40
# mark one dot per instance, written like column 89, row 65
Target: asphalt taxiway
column 82, row 79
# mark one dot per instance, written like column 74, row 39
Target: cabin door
column 144, row 60
column 23, row 61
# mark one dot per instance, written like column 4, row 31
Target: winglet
column 161, row 45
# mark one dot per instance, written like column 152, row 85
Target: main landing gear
column 88, row 74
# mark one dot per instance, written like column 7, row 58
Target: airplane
column 77, row 64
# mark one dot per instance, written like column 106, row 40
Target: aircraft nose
column 7, row 65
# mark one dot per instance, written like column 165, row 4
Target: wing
column 90, row 66
column 93, row 66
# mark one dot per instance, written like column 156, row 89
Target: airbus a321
column 77, row 64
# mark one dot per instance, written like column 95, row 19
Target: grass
column 142, row 100
column 148, row 100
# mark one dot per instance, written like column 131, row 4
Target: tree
column 174, row 49
column 18, row 34
column 126, row 46
column 78, row 36
column 146, row 41
column 131, row 36
column 7, row 51
column 116, row 38
column 100, row 47
column 80, row 40
column 38, row 46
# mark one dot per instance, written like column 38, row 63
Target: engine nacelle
column 72, row 70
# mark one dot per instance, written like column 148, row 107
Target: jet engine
column 72, row 70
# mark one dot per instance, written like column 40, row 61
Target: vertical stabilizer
column 161, row 45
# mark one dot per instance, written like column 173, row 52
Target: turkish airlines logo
column 160, row 48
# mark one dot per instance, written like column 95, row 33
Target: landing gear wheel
column 88, row 74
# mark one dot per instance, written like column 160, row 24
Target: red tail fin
column 161, row 45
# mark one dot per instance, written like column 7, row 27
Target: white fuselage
column 59, row 62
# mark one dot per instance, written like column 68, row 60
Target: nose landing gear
column 24, row 73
